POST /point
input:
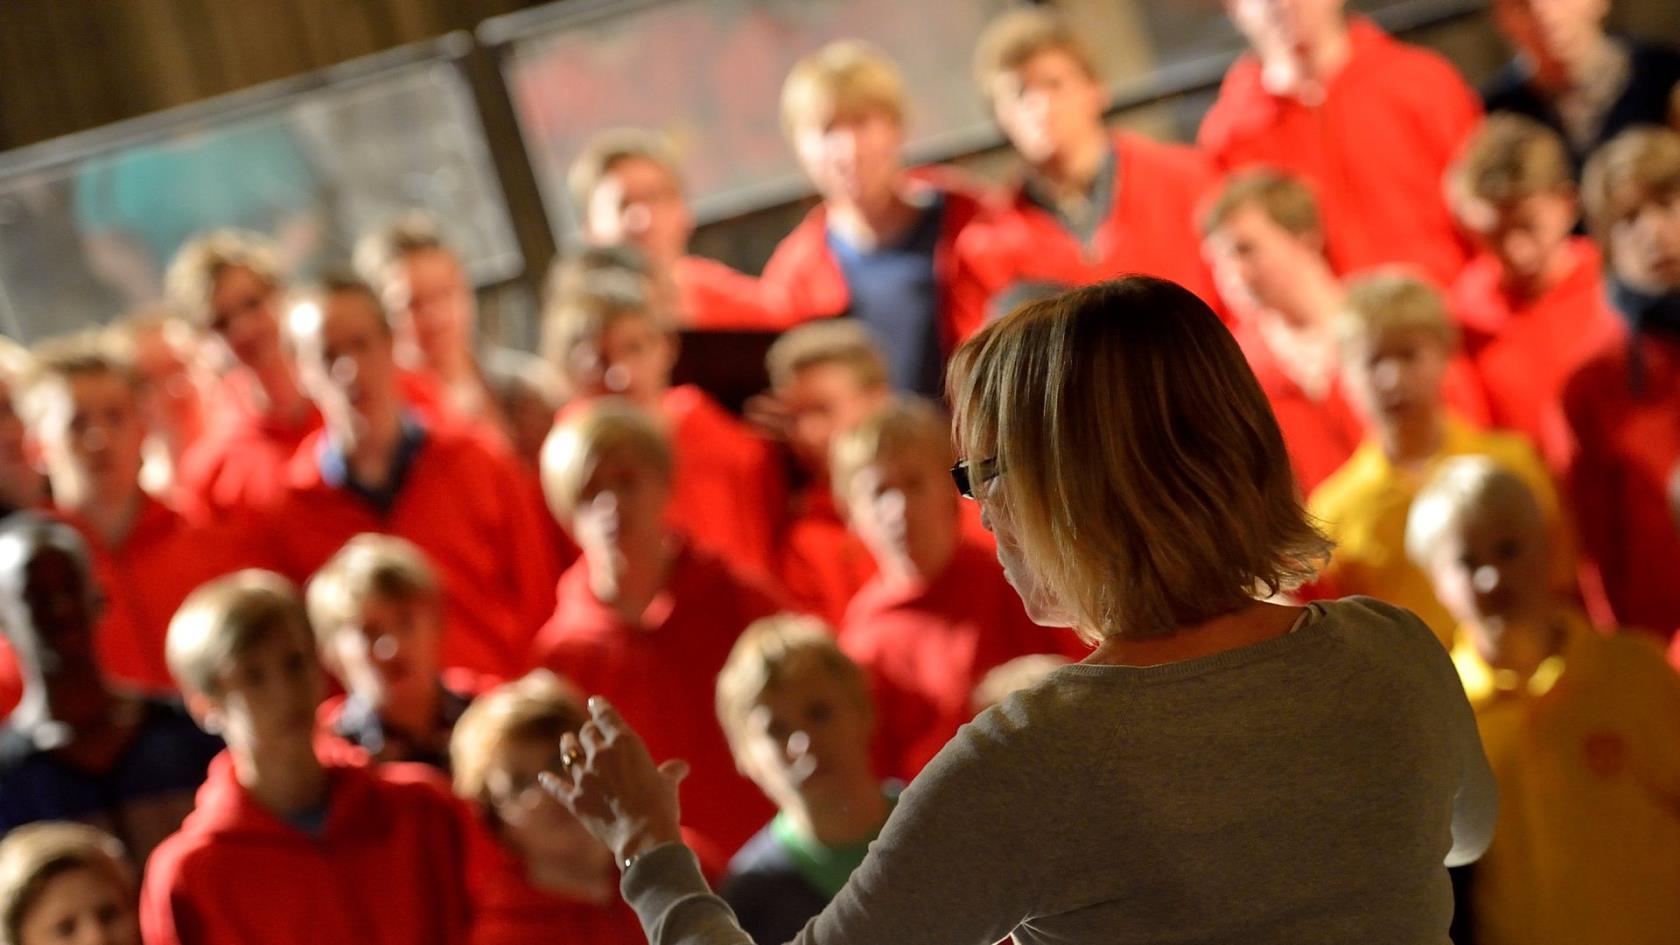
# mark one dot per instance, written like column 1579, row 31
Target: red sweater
column 238, row 464
column 714, row 296
column 1375, row 150
column 729, row 493
column 508, row 910
column 1622, row 450
column 926, row 651
column 471, row 511
column 1320, row 433
column 661, row 673
column 386, row 868
column 1524, row 351
column 803, row 281
column 823, row 565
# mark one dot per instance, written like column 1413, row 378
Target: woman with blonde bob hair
column 1220, row 769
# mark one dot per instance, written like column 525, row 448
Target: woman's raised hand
column 610, row 783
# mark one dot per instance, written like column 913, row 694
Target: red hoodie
column 714, row 296
column 822, row 564
column 1374, row 151
column 239, row 463
column 508, row 910
column 1150, row 230
column 1319, row 432
column 386, row 869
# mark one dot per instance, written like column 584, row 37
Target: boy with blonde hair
column 65, row 882
column 228, row 284
column 1370, row 122
column 939, row 613
column 285, row 846
column 377, row 611
column 1395, row 341
column 1090, row 204
column 628, row 190
column 827, row 376
column 799, row 720
column 646, row 617
column 880, row 245
column 1582, row 729
column 1620, row 406
column 730, row 489
column 1531, row 302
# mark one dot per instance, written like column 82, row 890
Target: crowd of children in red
column 300, row 587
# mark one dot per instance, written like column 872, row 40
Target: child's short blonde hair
column 224, row 619
column 771, row 651
column 1508, row 159
column 538, row 706
column 1138, row 460
column 1018, row 35
column 609, row 149
column 369, row 566
column 602, row 426
column 840, row 341
column 192, row 275
column 844, row 78
column 587, row 305
column 34, row 855
column 1391, row 300
column 378, row 250
column 1637, row 167
column 58, row 361
column 1284, row 198
column 908, row 426
column 1462, row 486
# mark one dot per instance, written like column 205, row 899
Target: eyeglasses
column 968, row 473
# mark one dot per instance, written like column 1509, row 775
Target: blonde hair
column 537, row 706
column 194, row 271
column 602, row 426
column 1461, row 486
column 34, row 855
column 609, row 149
column 1392, row 299
column 843, row 78
column 369, row 566
column 1511, row 157
column 378, row 250
column 840, row 341
column 907, row 426
column 1019, row 35
column 1284, row 198
column 1639, row 166
column 771, row 651
column 224, row 619
column 1142, row 470
column 587, row 301
column 57, row 361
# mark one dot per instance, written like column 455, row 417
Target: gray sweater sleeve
column 933, row 877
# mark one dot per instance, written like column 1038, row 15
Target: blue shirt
column 335, row 467
column 895, row 294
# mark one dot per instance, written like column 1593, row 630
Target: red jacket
column 508, row 910
column 1524, row 351
column 729, row 492
column 387, row 868
column 470, row 510
column 1320, row 433
column 925, row 652
column 661, row 673
column 1149, row 230
column 238, row 464
column 714, row 296
column 822, row 564
column 1622, row 449
column 1375, row 150
column 803, row 281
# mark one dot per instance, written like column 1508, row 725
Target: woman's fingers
column 606, row 718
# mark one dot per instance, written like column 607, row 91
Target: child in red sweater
column 538, row 876
column 644, row 617
column 284, row 847
column 938, row 614
column 1372, row 123
column 66, row 883
column 1531, row 303
column 1092, row 204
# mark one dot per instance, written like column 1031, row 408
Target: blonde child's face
column 1256, row 263
column 245, row 317
column 1526, row 235
column 806, row 739
column 433, row 302
column 347, row 363
column 631, row 358
column 390, row 657
column 823, row 401
column 620, row 510
column 1645, row 245
column 904, row 509
column 80, row 907
column 1047, row 105
column 171, row 398
column 266, row 698
column 92, row 437
column 1490, row 569
column 638, row 202
column 853, row 157
column 1395, row 376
